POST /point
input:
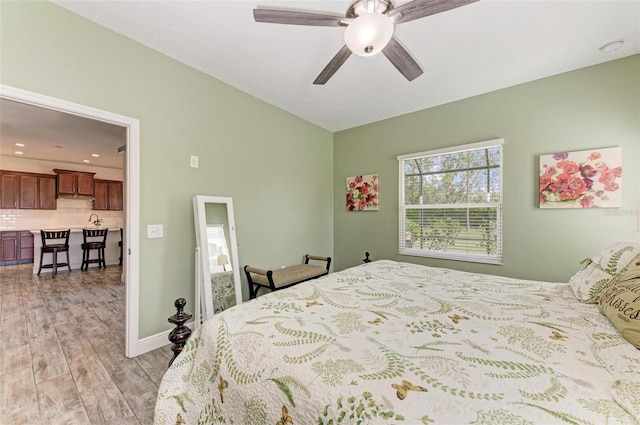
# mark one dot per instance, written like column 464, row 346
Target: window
column 218, row 250
column 451, row 203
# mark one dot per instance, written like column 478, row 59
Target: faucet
column 98, row 221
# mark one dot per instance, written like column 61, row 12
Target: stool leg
column 55, row 262
column 40, row 268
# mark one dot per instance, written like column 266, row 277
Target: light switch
column 194, row 161
column 154, row 231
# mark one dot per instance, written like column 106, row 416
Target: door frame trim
column 132, row 195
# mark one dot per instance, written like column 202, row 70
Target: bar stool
column 93, row 239
column 54, row 241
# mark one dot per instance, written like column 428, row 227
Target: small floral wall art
column 581, row 179
column 362, row 193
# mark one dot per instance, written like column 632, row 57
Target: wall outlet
column 154, row 231
column 194, row 161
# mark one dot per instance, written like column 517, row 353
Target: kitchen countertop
column 79, row 229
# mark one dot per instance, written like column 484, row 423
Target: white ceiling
column 58, row 137
column 467, row 51
column 464, row 52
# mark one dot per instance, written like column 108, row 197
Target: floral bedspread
column 399, row 343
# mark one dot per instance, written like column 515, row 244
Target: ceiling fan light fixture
column 368, row 34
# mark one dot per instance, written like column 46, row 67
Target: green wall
column 277, row 167
column 284, row 210
column 589, row 108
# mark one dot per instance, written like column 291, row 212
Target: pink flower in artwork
column 611, row 187
column 362, row 193
column 586, row 202
column 575, row 187
column 588, row 183
column 569, row 167
column 545, row 181
column 607, row 177
column 588, row 171
column 585, row 179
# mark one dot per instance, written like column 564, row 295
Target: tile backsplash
column 70, row 213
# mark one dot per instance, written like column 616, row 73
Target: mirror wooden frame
column 204, row 299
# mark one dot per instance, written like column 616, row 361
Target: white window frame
column 215, row 232
column 470, row 257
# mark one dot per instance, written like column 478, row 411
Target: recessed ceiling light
column 20, row 144
column 18, row 153
column 95, row 155
column 612, row 47
column 85, row 160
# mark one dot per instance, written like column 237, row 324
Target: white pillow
column 599, row 272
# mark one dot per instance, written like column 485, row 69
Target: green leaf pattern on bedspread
column 396, row 343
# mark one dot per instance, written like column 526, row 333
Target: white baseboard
column 156, row 341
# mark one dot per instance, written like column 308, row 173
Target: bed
column 397, row 343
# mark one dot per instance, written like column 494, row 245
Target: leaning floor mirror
column 218, row 284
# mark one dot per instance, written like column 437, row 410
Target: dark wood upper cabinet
column 74, row 183
column 27, row 190
column 85, row 184
column 47, row 192
column 8, row 190
column 37, row 192
column 66, row 184
column 115, row 196
column 108, row 195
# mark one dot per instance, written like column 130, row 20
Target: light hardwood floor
column 62, row 358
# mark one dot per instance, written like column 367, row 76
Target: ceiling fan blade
column 417, row 9
column 402, row 60
column 290, row 17
column 333, row 65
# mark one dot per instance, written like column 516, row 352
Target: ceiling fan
column 369, row 29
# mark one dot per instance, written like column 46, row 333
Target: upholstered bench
column 288, row 276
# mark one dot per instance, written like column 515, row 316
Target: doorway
column 131, row 258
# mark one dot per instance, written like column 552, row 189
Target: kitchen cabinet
column 26, row 247
column 74, row 183
column 37, row 192
column 16, row 247
column 108, row 195
column 27, row 190
column 9, row 190
column 9, row 247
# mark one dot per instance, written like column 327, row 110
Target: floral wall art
column 581, row 179
column 362, row 193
